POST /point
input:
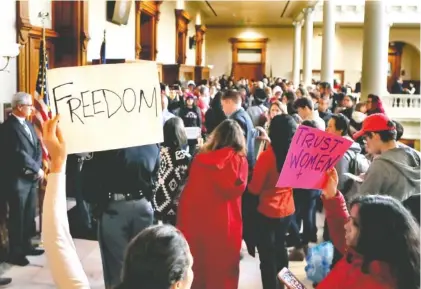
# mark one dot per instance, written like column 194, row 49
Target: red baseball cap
column 373, row 123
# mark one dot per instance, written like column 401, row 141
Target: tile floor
column 37, row 274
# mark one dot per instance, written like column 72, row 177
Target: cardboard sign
column 104, row 107
column 311, row 153
column 193, row 132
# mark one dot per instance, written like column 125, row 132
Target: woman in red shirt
column 209, row 213
column 276, row 205
column 379, row 238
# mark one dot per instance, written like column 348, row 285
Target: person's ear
column 177, row 285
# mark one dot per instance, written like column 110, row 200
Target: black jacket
column 121, row 171
column 21, row 157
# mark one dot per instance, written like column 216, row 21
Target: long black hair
column 157, row 258
column 281, row 130
column 389, row 233
column 174, row 133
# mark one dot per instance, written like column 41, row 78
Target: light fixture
column 8, row 52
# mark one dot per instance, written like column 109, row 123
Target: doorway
column 248, row 58
column 146, row 41
column 251, row 71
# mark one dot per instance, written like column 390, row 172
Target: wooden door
column 146, row 40
column 248, row 70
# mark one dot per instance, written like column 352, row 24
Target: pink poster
column 311, row 153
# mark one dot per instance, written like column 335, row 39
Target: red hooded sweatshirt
column 348, row 274
column 209, row 215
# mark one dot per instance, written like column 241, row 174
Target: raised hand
column 56, row 146
column 331, row 185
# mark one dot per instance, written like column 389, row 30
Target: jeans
column 272, row 249
column 305, row 211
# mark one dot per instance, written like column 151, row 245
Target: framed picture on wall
column 118, row 12
column 7, row 111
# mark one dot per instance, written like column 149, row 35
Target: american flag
column 42, row 104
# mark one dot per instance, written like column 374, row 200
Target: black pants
column 74, row 186
column 272, row 249
column 118, row 225
column 22, row 206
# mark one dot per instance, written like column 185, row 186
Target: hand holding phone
column 290, row 280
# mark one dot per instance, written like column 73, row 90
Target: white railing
column 400, row 106
column 405, row 107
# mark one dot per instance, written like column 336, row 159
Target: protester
column 209, row 212
column 172, row 173
column 276, row 205
column 378, row 237
column 396, row 171
column 157, row 258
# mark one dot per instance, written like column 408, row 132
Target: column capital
column 297, row 23
column 308, row 10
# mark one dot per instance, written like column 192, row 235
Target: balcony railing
column 404, row 107
column 400, row 106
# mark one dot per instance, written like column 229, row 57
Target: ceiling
column 250, row 13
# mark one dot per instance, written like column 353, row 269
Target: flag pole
column 43, row 16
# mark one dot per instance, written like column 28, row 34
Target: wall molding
column 200, row 32
column 150, row 8
column 29, row 37
column 182, row 20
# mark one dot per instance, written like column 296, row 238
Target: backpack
column 358, row 164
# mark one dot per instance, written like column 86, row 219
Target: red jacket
column 273, row 202
column 348, row 275
column 209, row 215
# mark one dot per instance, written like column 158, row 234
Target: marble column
column 375, row 49
column 308, row 46
column 296, row 53
column 328, row 42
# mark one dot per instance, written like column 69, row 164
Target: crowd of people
column 212, row 190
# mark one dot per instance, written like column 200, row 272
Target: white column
column 296, row 53
column 308, row 46
column 328, row 43
column 375, row 49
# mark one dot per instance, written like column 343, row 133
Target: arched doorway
column 404, row 61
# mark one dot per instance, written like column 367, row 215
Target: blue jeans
column 305, row 212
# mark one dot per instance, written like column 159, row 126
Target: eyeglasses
column 28, row 105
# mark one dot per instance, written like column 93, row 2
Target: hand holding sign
column 105, row 107
column 311, row 154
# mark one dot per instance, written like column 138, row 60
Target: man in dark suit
column 22, row 171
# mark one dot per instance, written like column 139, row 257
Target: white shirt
column 22, row 121
column 65, row 266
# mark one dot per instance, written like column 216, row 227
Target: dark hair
column 389, row 233
column 399, row 130
column 385, row 135
column 315, row 94
column 310, row 123
column 156, row 258
column 260, row 96
column 163, row 86
column 325, row 85
column 303, row 102
column 174, row 133
column 341, row 123
column 232, row 94
column 281, row 130
column 378, row 103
